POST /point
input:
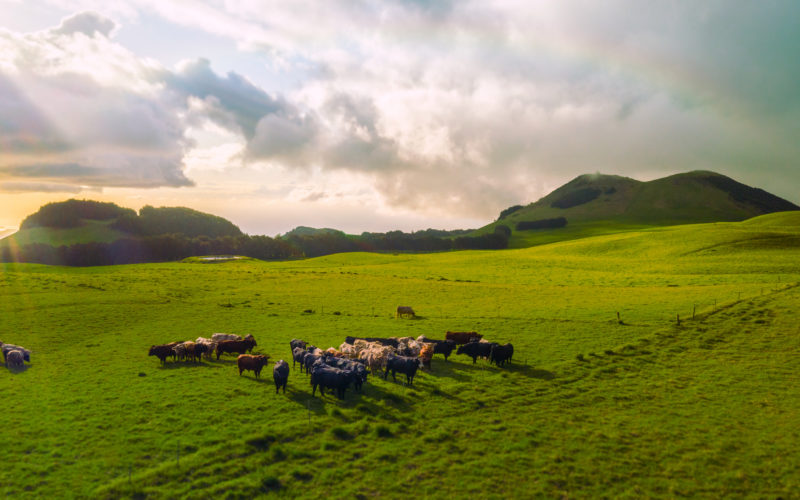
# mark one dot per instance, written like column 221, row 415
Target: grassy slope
column 91, row 231
column 705, row 409
column 678, row 199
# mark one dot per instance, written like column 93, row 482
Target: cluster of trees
column 71, row 213
column 430, row 240
column 153, row 221
column 542, row 224
column 167, row 247
column 575, row 198
column 508, row 211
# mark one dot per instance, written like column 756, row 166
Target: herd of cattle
column 338, row 369
column 14, row 356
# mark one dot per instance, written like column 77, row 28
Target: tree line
column 171, row 247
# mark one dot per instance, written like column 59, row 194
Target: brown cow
column 426, row 355
column 251, row 362
column 462, row 337
column 235, row 346
column 162, row 351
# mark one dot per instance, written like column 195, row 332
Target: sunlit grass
column 653, row 409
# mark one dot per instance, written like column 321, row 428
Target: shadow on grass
column 467, row 371
column 365, row 400
column 179, row 365
column 529, row 371
column 18, row 369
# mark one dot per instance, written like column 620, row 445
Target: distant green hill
column 86, row 221
column 595, row 204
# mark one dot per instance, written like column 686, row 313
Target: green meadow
column 592, row 406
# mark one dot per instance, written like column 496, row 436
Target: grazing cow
column 298, row 356
column 210, row 346
column 329, row 377
column 201, row 350
column 462, row 337
column 501, row 353
column 162, row 351
column 403, row 311
column 15, row 358
column 375, row 360
column 235, row 346
column 251, row 338
column 251, row 362
column 294, row 343
column 402, row 364
column 280, row 374
column 219, row 337
column 476, row 350
column 190, row 351
column 179, row 351
column 7, row 348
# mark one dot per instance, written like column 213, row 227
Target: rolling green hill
column 589, row 408
column 601, row 204
column 85, row 221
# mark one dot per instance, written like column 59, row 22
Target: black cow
column 402, row 364
column 280, row 374
column 476, row 350
column 445, row 347
column 7, row 348
column 358, row 370
column 309, row 361
column 501, row 353
column 298, row 343
column 298, row 356
column 329, row 377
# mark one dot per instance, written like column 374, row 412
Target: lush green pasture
column 589, row 408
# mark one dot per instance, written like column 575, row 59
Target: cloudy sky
column 386, row 114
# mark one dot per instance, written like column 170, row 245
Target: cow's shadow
column 17, row 369
column 528, row 371
column 181, row 365
column 249, row 375
column 467, row 371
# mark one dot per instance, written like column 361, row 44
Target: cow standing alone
column 251, row 362
column 280, row 374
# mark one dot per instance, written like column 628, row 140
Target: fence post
column 679, row 319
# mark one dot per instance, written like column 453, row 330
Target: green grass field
column 589, row 408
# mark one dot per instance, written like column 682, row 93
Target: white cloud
column 438, row 107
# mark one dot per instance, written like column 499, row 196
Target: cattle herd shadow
column 530, row 371
column 181, row 365
column 365, row 400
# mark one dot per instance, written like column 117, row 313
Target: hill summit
column 691, row 197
